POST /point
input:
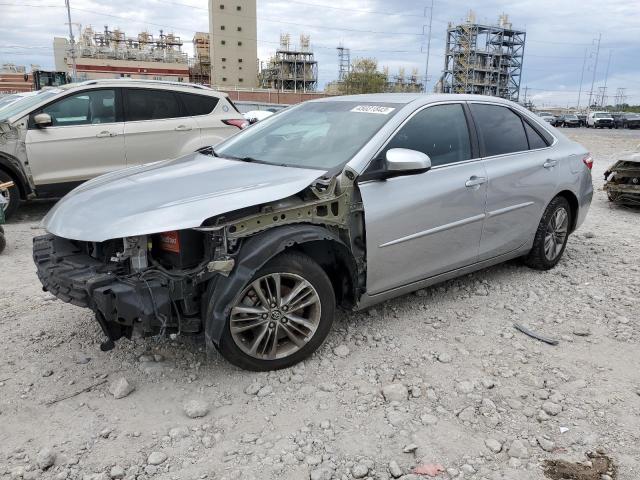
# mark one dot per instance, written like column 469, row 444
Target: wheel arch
column 573, row 204
column 12, row 167
column 319, row 243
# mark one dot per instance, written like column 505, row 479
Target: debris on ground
column 535, row 335
column 429, row 469
column 597, row 467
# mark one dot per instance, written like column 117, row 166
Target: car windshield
column 7, row 99
column 26, row 103
column 321, row 135
column 570, row 117
column 602, row 115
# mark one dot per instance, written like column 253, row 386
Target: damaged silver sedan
column 340, row 202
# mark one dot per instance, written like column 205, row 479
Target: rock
column 176, row 433
column 313, row 460
column 47, row 373
column 156, row 458
column 81, row 359
column 359, row 470
column 464, row 387
column 264, row 391
column 444, row 357
column 322, row 473
column 494, row 445
column 395, row 392
column 546, row 444
column 518, row 450
column 394, row 469
column 253, row 388
column 196, row 408
column 412, row 447
column 45, row 458
column 551, row 408
column 428, row 419
column 341, row 351
column 468, row 414
column 581, row 332
column 120, row 388
column 116, row 472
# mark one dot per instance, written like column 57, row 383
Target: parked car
column 582, row 119
column 567, row 120
column 599, row 120
column 547, row 117
column 628, row 120
column 342, row 201
column 53, row 141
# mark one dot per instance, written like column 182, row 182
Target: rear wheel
column 12, row 195
column 281, row 316
column 551, row 236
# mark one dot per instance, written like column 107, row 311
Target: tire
column 291, row 268
column 13, row 195
column 538, row 258
column 3, row 242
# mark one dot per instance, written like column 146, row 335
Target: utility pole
column 526, row 90
column 595, row 69
column 72, row 43
column 584, row 62
column 606, row 77
column 426, row 69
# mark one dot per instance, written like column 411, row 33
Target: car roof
column 407, row 98
column 132, row 82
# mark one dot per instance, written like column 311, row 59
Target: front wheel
column 11, row 195
column 281, row 316
column 551, row 236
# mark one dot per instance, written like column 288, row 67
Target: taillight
column 170, row 242
column 241, row 124
column 588, row 161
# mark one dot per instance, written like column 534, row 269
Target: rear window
column 198, row 104
column 146, row 104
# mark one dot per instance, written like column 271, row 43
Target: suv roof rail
column 140, row 80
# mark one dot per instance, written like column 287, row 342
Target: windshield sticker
column 373, row 109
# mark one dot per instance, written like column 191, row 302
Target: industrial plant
column 483, row 59
column 291, row 68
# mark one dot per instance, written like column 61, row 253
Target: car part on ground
column 255, row 242
column 622, row 180
column 55, row 139
column 4, row 202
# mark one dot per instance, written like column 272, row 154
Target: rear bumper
column 120, row 302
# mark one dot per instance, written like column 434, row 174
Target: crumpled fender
column 254, row 254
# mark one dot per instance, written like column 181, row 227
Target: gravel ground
column 439, row 376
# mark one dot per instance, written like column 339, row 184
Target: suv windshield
column 602, row 115
column 26, row 103
column 320, row 135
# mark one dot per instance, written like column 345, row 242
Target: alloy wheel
column 556, row 234
column 7, row 196
column 275, row 316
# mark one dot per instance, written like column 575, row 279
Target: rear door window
column 500, row 129
column 148, row 104
column 198, row 104
column 440, row 131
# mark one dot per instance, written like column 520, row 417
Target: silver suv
column 54, row 140
column 345, row 201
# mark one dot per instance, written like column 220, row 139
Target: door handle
column 475, row 181
column 104, row 134
column 182, row 128
column 550, row 163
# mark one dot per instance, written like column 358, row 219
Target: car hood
column 170, row 195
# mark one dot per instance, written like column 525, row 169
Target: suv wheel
column 551, row 236
column 281, row 316
column 12, row 195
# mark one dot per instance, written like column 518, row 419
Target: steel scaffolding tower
column 484, row 59
column 291, row 69
column 344, row 65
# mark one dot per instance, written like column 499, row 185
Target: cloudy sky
column 558, row 34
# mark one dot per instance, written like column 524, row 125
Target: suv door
column 156, row 126
column 421, row 225
column 523, row 177
column 85, row 139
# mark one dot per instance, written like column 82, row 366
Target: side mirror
column 42, row 120
column 403, row 160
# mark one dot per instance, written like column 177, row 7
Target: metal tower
column 344, row 66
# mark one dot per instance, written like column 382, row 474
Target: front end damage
column 165, row 282
column 622, row 181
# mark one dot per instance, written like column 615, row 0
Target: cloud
column 557, row 34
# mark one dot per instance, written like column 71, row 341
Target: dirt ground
column 463, row 388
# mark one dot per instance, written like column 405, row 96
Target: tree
column 364, row 77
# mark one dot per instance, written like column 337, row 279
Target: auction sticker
column 373, row 109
